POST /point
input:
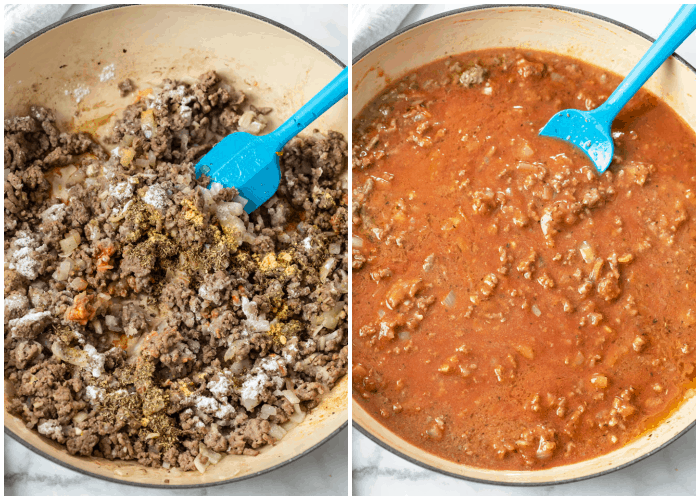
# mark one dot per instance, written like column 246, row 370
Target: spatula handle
column 317, row 105
column 680, row 27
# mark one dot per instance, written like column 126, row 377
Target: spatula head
column 583, row 130
column 247, row 162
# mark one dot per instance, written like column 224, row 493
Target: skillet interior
column 590, row 38
column 272, row 64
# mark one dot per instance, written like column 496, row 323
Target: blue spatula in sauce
column 251, row 163
column 590, row 130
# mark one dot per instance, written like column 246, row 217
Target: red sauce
column 513, row 309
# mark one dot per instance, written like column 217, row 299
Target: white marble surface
column 376, row 471
column 324, row 470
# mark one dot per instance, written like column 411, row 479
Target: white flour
column 95, row 393
column 78, row 93
column 220, row 388
column 107, row 73
column 212, row 406
column 54, row 213
column 49, row 428
column 95, row 362
column 15, row 303
column 156, row 197
column 122, row 191
column 27, row 320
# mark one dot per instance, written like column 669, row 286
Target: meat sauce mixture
column 149, row 318
column 513, row 309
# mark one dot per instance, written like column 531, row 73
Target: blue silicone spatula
column 250, row 163
column 590, row 130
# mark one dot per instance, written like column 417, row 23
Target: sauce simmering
column 512, row 308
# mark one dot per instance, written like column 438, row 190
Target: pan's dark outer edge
column 179, row 486
column 355, row 60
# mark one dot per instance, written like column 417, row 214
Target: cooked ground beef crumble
column 149, row 318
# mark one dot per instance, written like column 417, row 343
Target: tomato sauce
column 513, row 309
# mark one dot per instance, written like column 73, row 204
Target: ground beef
column 145, row 315
column 126, row 87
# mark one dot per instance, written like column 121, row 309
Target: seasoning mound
column 149, row 318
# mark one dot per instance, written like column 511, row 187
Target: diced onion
column 250, row 403
column 200, row 466
column 152, row 158
column 241, row 200
column 326, row 269
column 536, row 311
column 357, row 242
column 343, row 288
column 450, row 299
column 63, row 271
column 277, row 431
column 235, row 347
column 404, row 335
column 70, row 243
column 166, row 465
column 213, row 456
column 70, row 355
column 330, row 319
column 298, row 415
column 334, row 248
column 112, row 323
column 238, row 367
column 291, row 396
column 80, row 417
column 127, row 140
column 267, row 411
column 587, row 252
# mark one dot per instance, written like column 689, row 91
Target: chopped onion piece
column 70, row 355
column 70, row 243
column 450, row 299
column 404, row 335
column 326, row 268
column 343, row 288
column 587, row 252
column 63, row 271
column 213, row 456
column 330, row 319
column 298, row 416
column 152, row 158
column 291, row 396
column 357, row 242
column 166, row 465
column 200, row 466
column 334, row 248
column 267, row 411
column 238, row 367
column 80, row 417
column 536, row 311
column 235, row 347
column 277, row 431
